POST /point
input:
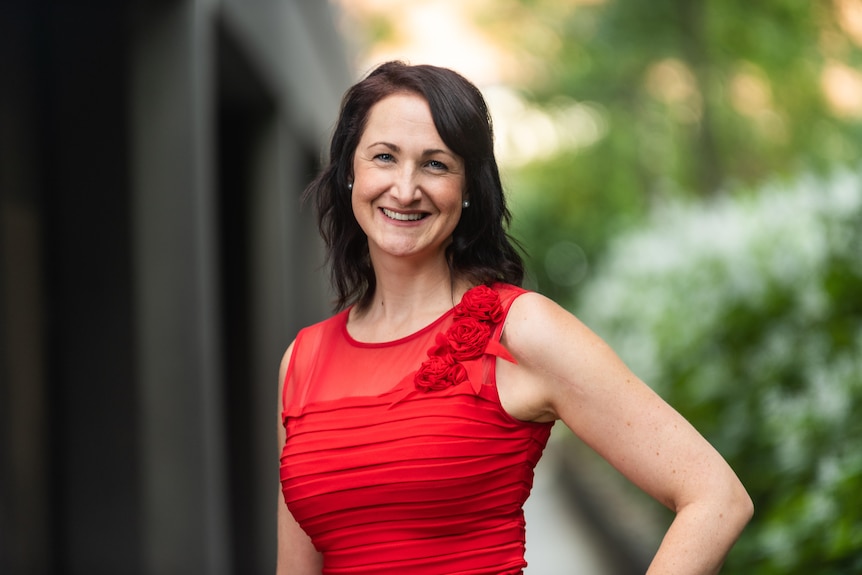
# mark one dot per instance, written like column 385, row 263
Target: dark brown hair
column 481, row 249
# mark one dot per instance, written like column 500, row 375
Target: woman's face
column 407, row 184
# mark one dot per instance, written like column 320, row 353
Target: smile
column 402, row 217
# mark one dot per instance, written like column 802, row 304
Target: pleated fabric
column 388, row 479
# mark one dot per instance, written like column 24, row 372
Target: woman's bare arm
column 567, row 372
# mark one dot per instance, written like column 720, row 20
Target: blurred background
column 684, row 176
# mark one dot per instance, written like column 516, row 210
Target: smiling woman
column 408, row 186
column 411, row 420
column 462, row 141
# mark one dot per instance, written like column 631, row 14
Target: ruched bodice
column 399, row 458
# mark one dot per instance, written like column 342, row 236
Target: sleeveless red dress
column 399, row 458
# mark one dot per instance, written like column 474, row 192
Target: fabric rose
column 439, row 372
column 468, row 338
column 441, row 346
column 481, row 303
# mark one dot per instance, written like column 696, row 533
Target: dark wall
column 153, row 266
column 70, row 91
column 25, row 526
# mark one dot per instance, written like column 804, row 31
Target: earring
column 466, row 203
column 350, row 186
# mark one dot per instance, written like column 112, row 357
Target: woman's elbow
column 739, row 507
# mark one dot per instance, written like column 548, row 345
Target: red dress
column 399, row 458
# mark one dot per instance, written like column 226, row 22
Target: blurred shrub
column 746, row 314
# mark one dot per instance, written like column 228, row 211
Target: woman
column 414, row 417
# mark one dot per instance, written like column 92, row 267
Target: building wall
column 155, row 263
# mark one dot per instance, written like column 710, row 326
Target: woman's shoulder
column 333, row 322
column 537, row 325
column 308, row 342
column 528, row 308
column 517, row 298
column 311, row 336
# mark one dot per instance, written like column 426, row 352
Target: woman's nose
column 405, row 189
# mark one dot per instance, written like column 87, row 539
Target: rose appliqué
column 439, row 372
column 481, row 303
column 466, row 339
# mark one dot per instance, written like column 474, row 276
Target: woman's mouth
column 402, row 217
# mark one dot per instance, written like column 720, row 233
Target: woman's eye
column 384, row 157
column 437, row 165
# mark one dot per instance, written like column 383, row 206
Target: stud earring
column 466, row 203
column 350, row 186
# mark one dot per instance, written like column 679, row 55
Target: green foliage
column 742, row 99
column 550, row 210
column 746, row 314
column 696, row 98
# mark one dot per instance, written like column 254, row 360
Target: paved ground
column 559, row 540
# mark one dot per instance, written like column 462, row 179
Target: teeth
column 402, row 217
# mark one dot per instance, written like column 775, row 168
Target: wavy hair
column 481, row 250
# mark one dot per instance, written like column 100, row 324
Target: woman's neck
column 404, row 303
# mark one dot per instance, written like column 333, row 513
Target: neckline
column 371, row 344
